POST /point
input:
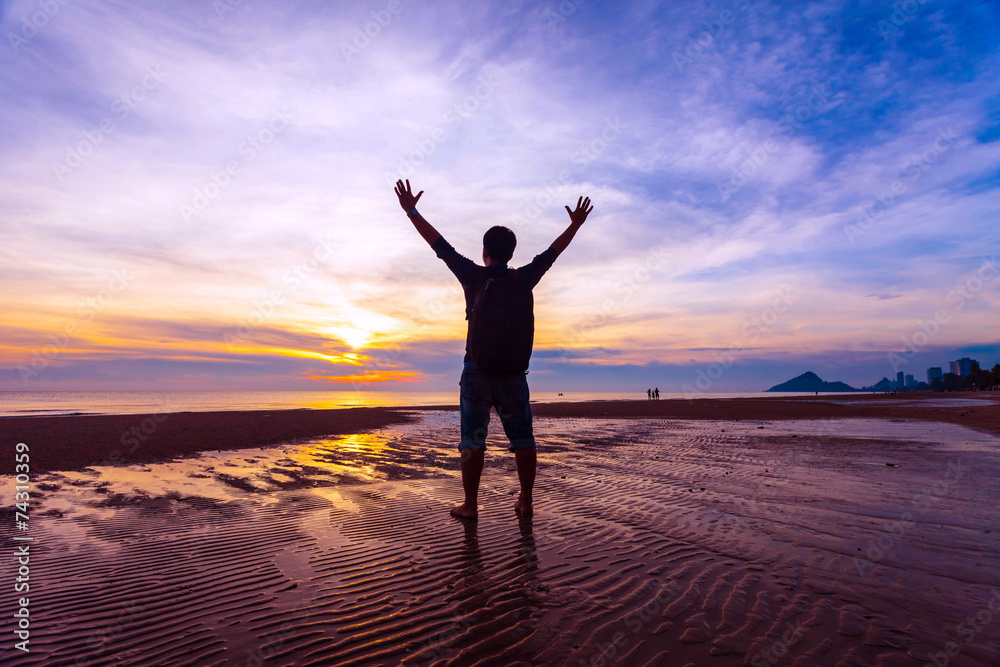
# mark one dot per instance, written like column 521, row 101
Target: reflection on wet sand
column 653, row 542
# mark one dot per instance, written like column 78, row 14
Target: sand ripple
column 655, row 542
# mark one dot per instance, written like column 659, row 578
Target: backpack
column 502, row 325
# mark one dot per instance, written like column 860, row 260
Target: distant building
column 962, row 367
column 899, row 380
column 934, row 373
column 910, row 382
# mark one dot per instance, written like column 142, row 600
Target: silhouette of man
column 656, row 393
column 481, row 390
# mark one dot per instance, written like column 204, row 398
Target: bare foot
column 461, row 512
column 523, row 506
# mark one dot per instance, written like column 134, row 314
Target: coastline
column 74, row 442
column 931, row 407
column 654, row 541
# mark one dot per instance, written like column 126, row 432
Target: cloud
column 796, row 149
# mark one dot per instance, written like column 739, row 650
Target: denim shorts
column 508, row 393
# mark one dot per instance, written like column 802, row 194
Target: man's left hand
column 405, row 194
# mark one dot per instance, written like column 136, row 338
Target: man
column 497, row 341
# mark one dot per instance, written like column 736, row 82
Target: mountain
column 809, row 381
column 885, row 384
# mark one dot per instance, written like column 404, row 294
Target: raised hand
column 583, row 209
column 576, row 219
column 405, row 194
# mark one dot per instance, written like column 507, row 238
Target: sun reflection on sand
column 346, row 535
column 349, row 457
column 230, row 475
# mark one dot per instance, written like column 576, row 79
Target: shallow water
column 654, row 542
column 29, row 403
column 925, row 402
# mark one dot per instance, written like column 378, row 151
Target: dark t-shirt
column 472, row 276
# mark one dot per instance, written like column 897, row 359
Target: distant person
column 500, row 310
column 656, row 393
column 649, row 394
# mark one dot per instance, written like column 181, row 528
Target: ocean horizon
column 48, row 403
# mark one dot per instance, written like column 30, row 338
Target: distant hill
column 885, row 384
column 809, row 381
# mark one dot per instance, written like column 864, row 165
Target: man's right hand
column 405, row 194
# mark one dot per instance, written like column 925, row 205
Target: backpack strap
column 480, row 295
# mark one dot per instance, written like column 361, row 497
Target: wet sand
column 75, row 442
column 978, row 410
column 734, row 540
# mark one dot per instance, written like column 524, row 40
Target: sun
column 359, row 327
column 353, row 336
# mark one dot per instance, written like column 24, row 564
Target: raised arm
column 409, row 204
column 576, row 220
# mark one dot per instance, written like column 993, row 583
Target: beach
column 834, row 530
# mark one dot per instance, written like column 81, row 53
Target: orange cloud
column 373, row 376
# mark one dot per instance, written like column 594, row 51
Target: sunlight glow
column 372, row 376
column 750, row 176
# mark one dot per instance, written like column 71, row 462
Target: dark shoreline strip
column 73, row 442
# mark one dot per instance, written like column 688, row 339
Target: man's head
column 498, row 245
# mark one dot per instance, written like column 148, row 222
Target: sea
column 40, row 403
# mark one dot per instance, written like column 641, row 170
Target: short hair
column 499, row 243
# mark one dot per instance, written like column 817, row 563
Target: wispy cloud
column 795, row 148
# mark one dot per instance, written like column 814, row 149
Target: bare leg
column 527, row 464
column 472, row 471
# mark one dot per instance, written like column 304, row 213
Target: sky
column 198, row 195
